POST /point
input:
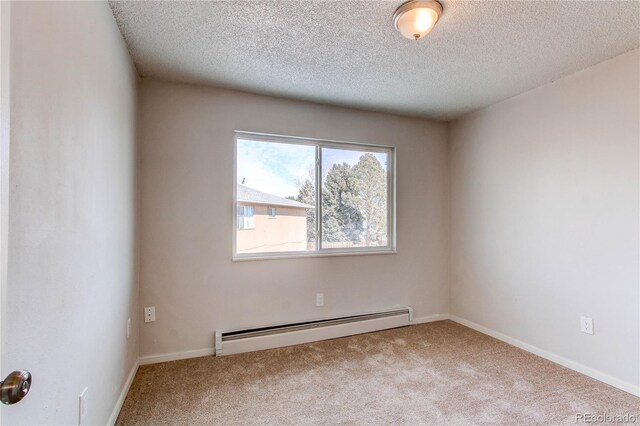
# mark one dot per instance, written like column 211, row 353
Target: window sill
column 293, row 255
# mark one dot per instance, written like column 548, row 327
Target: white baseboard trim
column 123, row 394
column 565, row 362
column 175, row 356
column 429, row 318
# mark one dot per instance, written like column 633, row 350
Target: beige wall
column 186, row 202
column 285, row 232
column 71, row 284
column 545, row 217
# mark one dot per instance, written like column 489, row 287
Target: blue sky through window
column 331, row 156
column 274, row 168
column 280, row 168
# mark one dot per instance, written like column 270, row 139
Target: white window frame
column 275, row 212
column 390, row 248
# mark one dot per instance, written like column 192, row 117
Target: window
column 246, row 219
column 330, row 198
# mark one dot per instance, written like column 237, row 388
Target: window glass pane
column 354, row 198
column 272, row 178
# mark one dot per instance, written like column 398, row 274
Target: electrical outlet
column 586, row 324
column 150, row 314
column 83, row 407
column 128, row 327
column 319, row 299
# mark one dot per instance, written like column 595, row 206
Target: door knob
column 15, row 387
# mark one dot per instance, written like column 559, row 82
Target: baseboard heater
column 255, row 339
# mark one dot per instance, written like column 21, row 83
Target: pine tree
column 369, row 198
column 354, row 203
column 343, row 217
column 307, row 195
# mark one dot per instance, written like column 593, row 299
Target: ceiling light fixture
column 416, row 18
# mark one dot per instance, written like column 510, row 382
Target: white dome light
column 416, row 18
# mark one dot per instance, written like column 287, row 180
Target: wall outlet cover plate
column 586, row 324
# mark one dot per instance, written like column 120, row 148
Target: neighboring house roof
column 250, row 195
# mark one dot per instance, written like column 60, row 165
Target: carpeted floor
column 435, row 373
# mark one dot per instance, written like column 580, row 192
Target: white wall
column 71, row 284
column 186, row 197
column 545, row 217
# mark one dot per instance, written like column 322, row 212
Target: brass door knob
column 15, row 387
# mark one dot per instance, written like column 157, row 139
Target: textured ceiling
column 348, row 53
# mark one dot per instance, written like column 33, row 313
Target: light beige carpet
column 436, row 373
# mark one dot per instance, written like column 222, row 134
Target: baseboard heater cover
column 253, row 339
